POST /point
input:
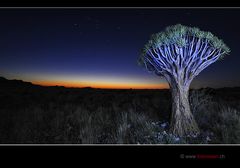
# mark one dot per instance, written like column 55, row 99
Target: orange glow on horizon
column 103, row 85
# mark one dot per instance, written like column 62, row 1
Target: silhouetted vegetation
column 36, row 114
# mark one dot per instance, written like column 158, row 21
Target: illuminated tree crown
column 181, row 48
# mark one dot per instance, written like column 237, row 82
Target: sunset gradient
column 99, row 48
column 104, row 85
column 100, row 82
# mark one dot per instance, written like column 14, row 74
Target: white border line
column 87, row 7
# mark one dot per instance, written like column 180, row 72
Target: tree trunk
column 182, row 120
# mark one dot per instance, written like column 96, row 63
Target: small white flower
column 208, row 139
column 163, row 125
column 195, row 135
column 153, row 123
column 177, row 139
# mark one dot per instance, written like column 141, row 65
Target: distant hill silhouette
column 14, row 83
column 6, row 84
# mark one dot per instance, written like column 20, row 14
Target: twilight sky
column 99, row 47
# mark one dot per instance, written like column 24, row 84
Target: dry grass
column 110, row 117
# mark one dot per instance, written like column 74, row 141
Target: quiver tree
column 179, row 54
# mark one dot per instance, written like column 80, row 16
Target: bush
column 133, row 128
column 217, row 121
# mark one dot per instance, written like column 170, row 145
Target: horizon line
column 84, row 87
column 109, row 87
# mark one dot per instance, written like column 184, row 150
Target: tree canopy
column 177, row 34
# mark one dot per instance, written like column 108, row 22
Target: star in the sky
column 118, row 28
column 76, row 25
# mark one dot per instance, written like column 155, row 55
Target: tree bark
column 182, row 120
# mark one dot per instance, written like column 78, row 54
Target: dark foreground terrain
column 36, row 114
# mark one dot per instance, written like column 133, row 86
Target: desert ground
column 32, row 114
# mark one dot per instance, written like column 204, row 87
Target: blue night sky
column 99, row 47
